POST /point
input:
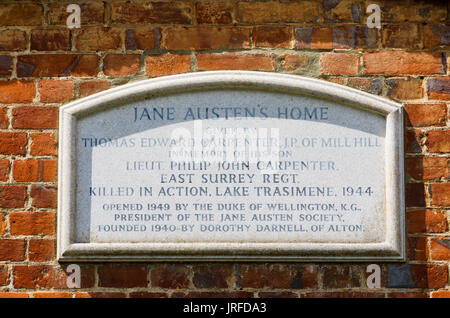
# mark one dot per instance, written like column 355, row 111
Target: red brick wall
column 43, row 65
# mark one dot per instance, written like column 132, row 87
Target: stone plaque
column 231, row 165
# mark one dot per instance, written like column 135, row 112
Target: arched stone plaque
column 231, row 165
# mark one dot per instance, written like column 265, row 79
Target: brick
column 441, row 294
column 206, row 38
column 440, row 249
column 3, row 224
column 342, row 11
column 43, row 196
column 278, row 276
column 16, row 92
column 414, row 141
column 4, row 275
column 35, row 117
column 407, row 295
column 99, row 295
column 427, row 168
column 21, row 14
column 277, row 295
column 401, row 36
column 340, row 64
column 148, row 295
column 415, row 195
column 32, row 170
column 341, row 276
column 6, row 65
column 224, row 294
column 429, row 276
column 417, row 248
column 142, row 38
column 274, row 11
column 273, row 37
column 12, row 250
column 234, row 61
column 42, row 144
column 321, row 38
column 52, row 295
column 91, row 13
column 122, row 276
column 41, row 250
column 13, row 295
column 438, row 140
column 13, row 40
column 12, row 143
column 370, row 85
column 440, row 194
column 98, row 39
column 342, row 294
column 436, row 35
column 354, row 36
column 92, row 87
column 121, row 64
column 438, row 88
column 4, row 169
column 213, row 276
column 404, row 88
column 50, row 40
column 39, row 277
column 4, row 119
column 425, row 114
column 166, row 64
column 55, row 91
column 12, row 196
column 32, row 223
column 214, row 12
column 170, row 276
column 426, row 221
column 407, row 11
column 293, row 62
column 57, row 65
column 398, row 63
column 151, row 12
column 303, row 37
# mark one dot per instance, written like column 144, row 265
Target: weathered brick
column 35, row 117
column 42, row 144
column 57, row 65
column 55, row 91
column 219, row 294
column 92, row 87
column 425, row 114
column 438, row 140
column 12, row 196
column 341, row 276
column 234, row 61
column 208, row 12
column 98, row 39
column 4, row 119
column 415, row 195
column 370, row 85
column 122, row 276
column 151, row 12
column 340, row 64
column 43, row 196
column 274, row 11
column 99, row 295
column 12, row 14
column 417, row 248
column 50, row 40
column 284, row 294
column 4, row 169
column 440, row 249
column 167, row 64
column 148, row 295
column 273, row 37
column 292, row 62
column 354, row 36
column 13, row 295
column 342, row 294
column 321, row 38
column 414, row 141
column 342, row 11
column 12, row 250
column 3, row 224
column 401, row 36
column 52, row 295
column 213, row 276
column 16, row 92
column 13, row 40
column 142, row 38
column 407, row 11
column 3, row 275
column 426, row 221
column 170, row 276
column 32, row 170
column 32, row 223
column 427, row 168
column 429, row 275
column 39, row 277
column 441, row 294
column 91, row 13
column 41, row 250
column 404, row 88
column 438, row 88
column 398, row 63
column 440, row 194
column 436, row 35
column 206, row 38
column 13, row 143
column 6, row 65
column 121, row 64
